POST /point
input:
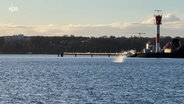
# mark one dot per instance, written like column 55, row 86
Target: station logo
column 13, row 8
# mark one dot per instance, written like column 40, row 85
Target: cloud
column 172, row 26
column 170, row 18
column 149, row 21
column 167, row 18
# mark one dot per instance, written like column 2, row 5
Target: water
column 47, row 79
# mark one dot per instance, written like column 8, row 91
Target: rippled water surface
column 47, row 79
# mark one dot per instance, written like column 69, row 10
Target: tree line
column 51, row 45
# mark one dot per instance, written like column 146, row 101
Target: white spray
column 120, row 59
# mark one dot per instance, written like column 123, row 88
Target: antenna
column 140, row 34
column 158, row 12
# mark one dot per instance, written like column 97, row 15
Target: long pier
column 91, row 54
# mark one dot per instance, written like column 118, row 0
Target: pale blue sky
column 85, row 12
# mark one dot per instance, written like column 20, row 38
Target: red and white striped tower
column 158, row 22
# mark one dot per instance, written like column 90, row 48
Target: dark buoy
column 62, row 54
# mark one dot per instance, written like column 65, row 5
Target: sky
column 92, row 18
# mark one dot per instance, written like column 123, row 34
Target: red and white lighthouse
column 158, row 22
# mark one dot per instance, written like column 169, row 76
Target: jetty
column 91, row 54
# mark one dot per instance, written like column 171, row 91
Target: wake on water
column 120, row 59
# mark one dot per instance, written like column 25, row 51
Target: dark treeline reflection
column 51, row 45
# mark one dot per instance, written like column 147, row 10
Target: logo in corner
column 13, row 8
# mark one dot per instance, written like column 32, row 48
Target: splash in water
column 120, row 59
